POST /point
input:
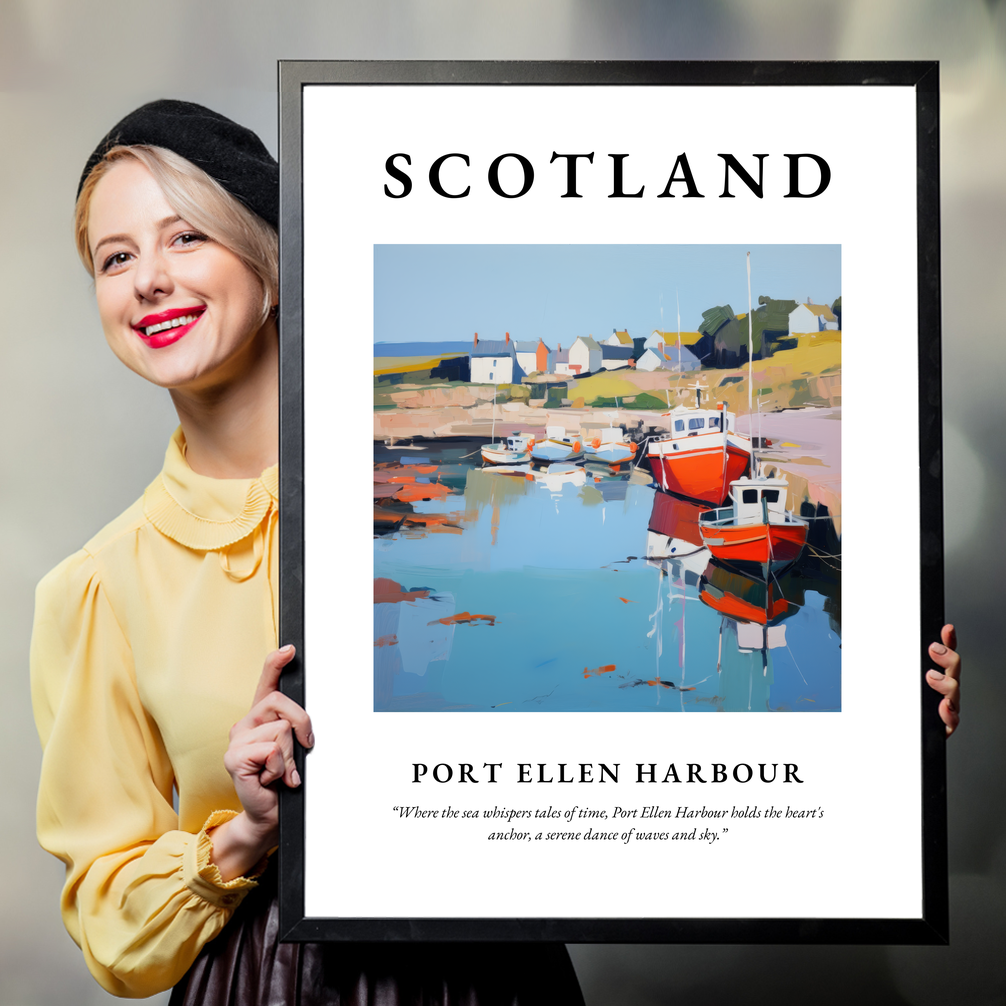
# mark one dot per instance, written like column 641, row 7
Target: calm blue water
column 533, row 591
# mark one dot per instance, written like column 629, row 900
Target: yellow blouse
column 147, row 647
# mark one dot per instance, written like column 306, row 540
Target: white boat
column 557, row 446
column 513, row 451
column 610, row 447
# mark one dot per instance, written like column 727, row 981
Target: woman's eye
column 114, row 261
column 190, row 238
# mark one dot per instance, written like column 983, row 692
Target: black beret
column 230, row 154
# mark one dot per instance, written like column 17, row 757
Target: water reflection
column 580, row 587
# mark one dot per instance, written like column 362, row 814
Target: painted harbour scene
column 607, row 478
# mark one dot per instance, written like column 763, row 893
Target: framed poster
column 628, row 641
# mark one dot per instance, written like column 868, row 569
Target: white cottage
column 584, row 356
column 809, row 318
column 493, row 361
column 668, row 358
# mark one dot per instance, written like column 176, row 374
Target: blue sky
column 449, row 292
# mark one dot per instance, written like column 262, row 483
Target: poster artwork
column 573, row 516
column 627, row 356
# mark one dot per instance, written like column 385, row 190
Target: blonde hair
column 199, row 200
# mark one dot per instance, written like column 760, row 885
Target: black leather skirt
column 246, row 965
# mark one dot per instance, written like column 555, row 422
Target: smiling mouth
column 177, row 321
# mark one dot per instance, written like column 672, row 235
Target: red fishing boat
column 701, row 455
column 756, row 532
column 742, row 598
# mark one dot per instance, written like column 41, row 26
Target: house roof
column 623, row 336
column 588, row 341
column 492, row 347
column 686, row 356
column 616, row 352
column 669, row 358
column 821, row 310
column 562, row 356
column 526, row 346
column 671, row 338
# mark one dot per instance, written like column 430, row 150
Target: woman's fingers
column 277, row 735
column 270, row 703
column 277, row 706
column 947, row 680
column 949, row 710
column 260, row 761
column 949, row 636
column 271, row 671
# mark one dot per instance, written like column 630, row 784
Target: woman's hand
column 260, row 753
column 947, row 682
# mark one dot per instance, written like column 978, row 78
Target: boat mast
column 492, row 435
column 750, row 343
column 678, row 305
column 751, row 422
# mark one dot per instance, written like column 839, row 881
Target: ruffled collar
column 203, row 513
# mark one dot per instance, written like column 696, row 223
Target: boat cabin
column 558, row 433
column 609, row 435
column 694, row 422
column 758, row 501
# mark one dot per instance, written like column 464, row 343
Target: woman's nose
column 152, row 277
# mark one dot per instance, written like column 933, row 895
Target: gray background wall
column 82, row 437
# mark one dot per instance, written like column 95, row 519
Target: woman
column 149, row 642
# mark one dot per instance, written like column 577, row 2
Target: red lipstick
column 166, row 326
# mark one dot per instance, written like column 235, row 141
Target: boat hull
column 698, row 472
column 501, row 456
column 770, row 547
column 556, row 450
column 611, row 454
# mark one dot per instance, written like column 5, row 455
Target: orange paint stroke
column 422, row 491
column 657, row 681
column 401, row 473
column 625, row 600
column 391, row 640
column 603, row 669
column 464, row 618
column 389, row 592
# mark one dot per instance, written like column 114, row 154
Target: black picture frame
column 932, row 925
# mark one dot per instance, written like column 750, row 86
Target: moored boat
column 756, row 532
column 609, row 446
column 701, row 455
column 557, row 446
column 512, row 451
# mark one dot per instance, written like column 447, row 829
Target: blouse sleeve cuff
column 202, row 876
